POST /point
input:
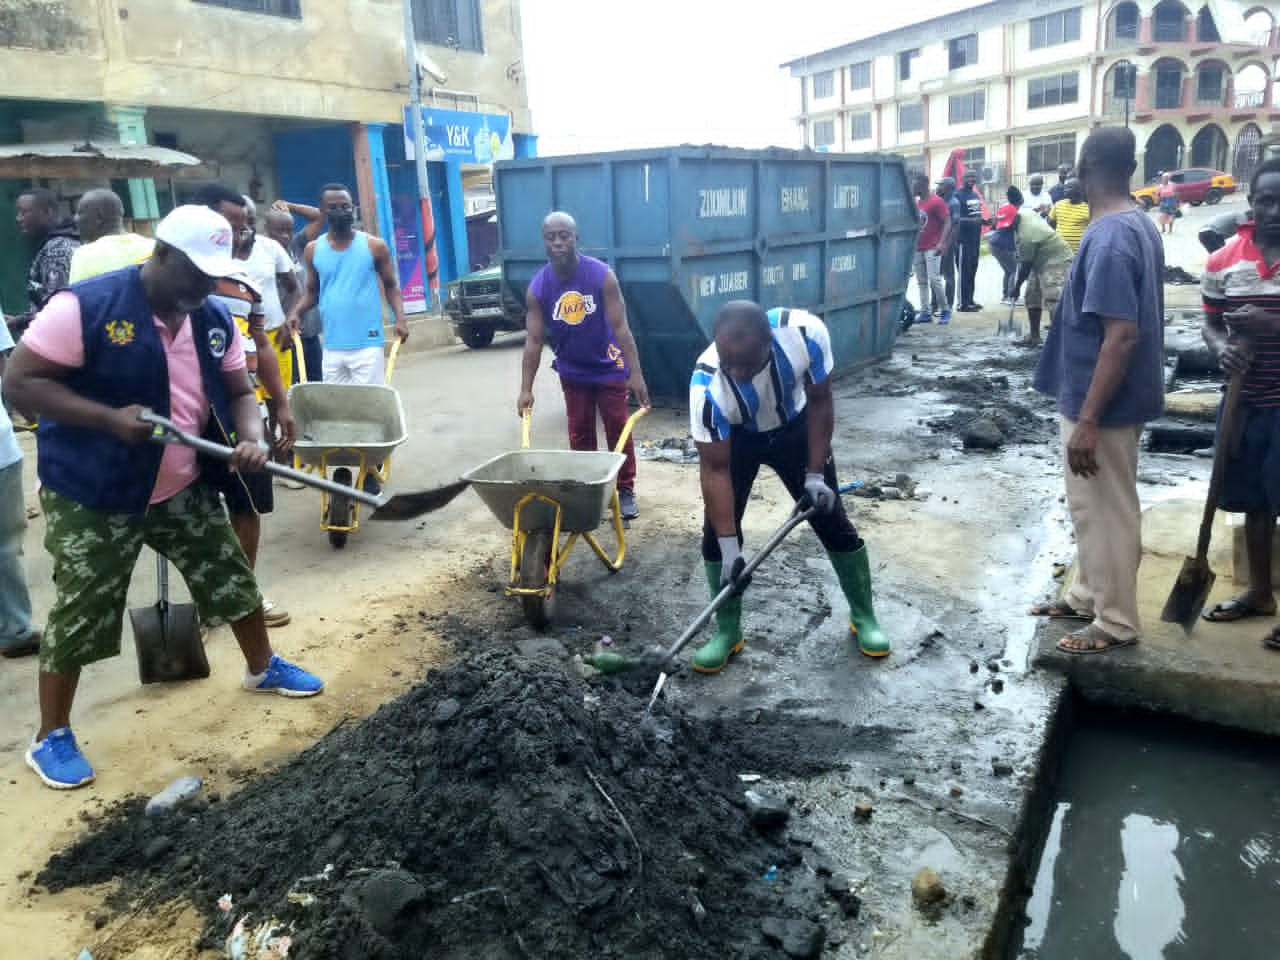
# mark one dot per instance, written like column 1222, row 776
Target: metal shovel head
column 406, row 506
column 1189, row 594
column 167, row 638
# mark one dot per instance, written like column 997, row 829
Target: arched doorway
column 1169, row 22
column 1164, row 152
column 1209, row 148
column 1248, row 153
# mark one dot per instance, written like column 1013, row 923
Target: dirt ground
column 943, row 736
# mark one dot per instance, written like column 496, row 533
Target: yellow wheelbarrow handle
column 299, row 358
column 526, row 424
column 391, row 361
column 626, row 430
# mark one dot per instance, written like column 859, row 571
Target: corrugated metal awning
column 99, row 160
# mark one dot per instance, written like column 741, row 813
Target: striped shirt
column 1070, row 219
column 1235, row 276
column 801, row 355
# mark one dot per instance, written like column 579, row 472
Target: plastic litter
column 174, row 795
column 269, row 940
column 771, row 874
column 85, row 955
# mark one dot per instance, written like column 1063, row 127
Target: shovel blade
column 167, row 639
column 407, row 506
column 1189, row 594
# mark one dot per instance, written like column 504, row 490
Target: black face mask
column 340, row 221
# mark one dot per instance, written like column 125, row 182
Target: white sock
column 254, row 678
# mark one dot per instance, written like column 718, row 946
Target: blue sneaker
column 57, row 761
column 945, row 318
column 923, row 317
column 284, row 678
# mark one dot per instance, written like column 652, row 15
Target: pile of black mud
column 502, row 808
column 988, row 413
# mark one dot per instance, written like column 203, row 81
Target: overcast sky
column 615, row 75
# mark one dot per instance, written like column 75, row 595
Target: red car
column 1195, row 185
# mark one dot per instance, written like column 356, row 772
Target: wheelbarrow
column 543, row 495
column 343, row 427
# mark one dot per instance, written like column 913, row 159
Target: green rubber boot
column 712, row 656
column 854, row 571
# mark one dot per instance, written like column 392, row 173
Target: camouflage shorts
column 94, row 553
column 1044, row 289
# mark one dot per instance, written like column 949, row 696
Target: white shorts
column 366, row 365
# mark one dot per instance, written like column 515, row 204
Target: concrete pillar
column 130, row 124
column 1145, row 30
column 1141, row 99
column 372, row 179
column 454, row 201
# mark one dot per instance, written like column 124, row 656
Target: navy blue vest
column 124, row 363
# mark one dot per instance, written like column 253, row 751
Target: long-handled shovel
column 399, row 506
column 742, row 571
column 1195, row 579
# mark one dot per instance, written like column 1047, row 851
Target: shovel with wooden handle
column 1195, row 579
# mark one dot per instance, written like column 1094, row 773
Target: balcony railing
column 1249, row 99
column 1216, row 100
column 1113, row 106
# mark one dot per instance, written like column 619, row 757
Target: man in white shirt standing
column 1037, row 199
column 270, row 268
column 18, row 638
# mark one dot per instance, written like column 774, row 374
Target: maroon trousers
column 581, row 401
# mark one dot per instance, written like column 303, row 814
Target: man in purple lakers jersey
column 575, row 303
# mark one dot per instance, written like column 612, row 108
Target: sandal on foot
column 1272, row 640
column 1237, row 608
column 1099, row 641
column 1058, row 610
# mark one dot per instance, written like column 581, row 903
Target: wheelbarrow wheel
column 339, row 510
column 535, row 569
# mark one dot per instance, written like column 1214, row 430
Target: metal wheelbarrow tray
column 345, row 426
column 581, row 482
column 345, row 420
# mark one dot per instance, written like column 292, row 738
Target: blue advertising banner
column 458, row 137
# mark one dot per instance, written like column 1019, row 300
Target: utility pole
column 430, row 260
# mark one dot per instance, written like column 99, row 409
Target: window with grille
column 277, row 8
column 966, row 107
column 1168, row 87
column 824, row 133
column 1209, row 84
column 1124, row 82
column 1126, row 21
column 910, row 117
column 860, row 126
column 860, row 75
column 1055, row 28
column 824, row 85
column 1053, row 91
column 449, row 23
column 963, row 51
column 1170, row 22
column 1049, row 153
column 975, row 157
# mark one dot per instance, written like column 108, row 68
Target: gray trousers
column 15, row 600
column 928, row 264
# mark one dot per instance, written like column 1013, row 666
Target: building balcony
column 1249, row 99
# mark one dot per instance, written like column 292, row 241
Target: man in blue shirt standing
column 1104, row 363
column 969, row 239
column 760, row 395
column 348, row 273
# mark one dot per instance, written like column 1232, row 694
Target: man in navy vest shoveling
column 95, row 357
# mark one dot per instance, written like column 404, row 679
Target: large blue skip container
column 686, row 229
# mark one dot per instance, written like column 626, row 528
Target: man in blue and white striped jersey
column 760, row 395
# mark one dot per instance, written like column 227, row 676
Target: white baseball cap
column 204, row 236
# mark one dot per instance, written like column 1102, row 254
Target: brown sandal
column 1058, row 610
column 1099, row 641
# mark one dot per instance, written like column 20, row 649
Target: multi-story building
column 280, row 96
column 1017, row 85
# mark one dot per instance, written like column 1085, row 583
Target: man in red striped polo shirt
column 1241, row 291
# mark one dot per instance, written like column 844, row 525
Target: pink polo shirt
column 56, row 335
